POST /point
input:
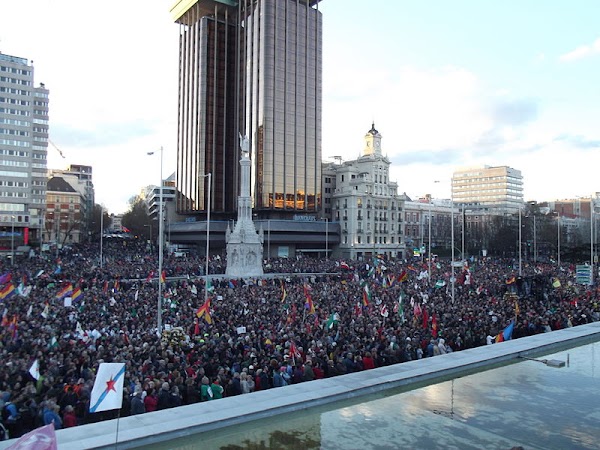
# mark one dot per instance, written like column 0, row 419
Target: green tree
column 136, row 219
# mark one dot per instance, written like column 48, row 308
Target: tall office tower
column 488, row 188
column 250, row 67
column 23, row 150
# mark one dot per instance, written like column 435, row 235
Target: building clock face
column 377, row 145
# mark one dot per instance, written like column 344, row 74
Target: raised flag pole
column 107, row 393
column 117, row 432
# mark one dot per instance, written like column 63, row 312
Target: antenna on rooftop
column 337, row 158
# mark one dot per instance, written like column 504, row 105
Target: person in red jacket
column 367, row 361
column 151, row 400
column 69, row 417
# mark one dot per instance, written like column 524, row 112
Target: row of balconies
column 392, row 208
column 361, row 231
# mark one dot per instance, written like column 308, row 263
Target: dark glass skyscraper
column 250, row 67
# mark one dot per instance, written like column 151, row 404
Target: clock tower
column 372, row 142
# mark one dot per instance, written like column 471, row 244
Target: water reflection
column 526, row 404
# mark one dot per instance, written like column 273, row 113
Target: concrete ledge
column 138, row 431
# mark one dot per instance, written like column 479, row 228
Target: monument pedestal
column 244, row 244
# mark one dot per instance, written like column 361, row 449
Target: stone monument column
column 244, row 244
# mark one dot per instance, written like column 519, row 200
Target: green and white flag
column 334, row 318
column 53, row 343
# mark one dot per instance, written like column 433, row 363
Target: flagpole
column 117, row 434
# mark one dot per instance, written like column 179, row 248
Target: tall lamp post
column 429, row 250
column 452, row 279
column 558, row 238
column 520, row 252
column 208, row 208
column 534, row 239
column 592, row 240
column 101, row 235
column 12, row 241
column 160, row 244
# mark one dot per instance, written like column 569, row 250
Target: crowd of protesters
column 323, row 318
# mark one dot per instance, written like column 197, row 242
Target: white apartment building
column 360, row 196
column 23, row 149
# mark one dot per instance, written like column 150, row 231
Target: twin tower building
column 251, row 68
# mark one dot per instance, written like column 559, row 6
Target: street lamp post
column 326, row 238
column 462, row 248
column 592, row 240
column 429, row 244
column 57, row 236
column 160, row 244
column 558, row 238
column 101, row 235
column 452, row 279
column 12, row 241
column 429, row 250
column 520, row 253
column 208, row 207
column 534, row 240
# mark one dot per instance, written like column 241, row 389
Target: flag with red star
column 107, row 392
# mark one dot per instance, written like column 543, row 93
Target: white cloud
column 583, row 51
column 413, row 109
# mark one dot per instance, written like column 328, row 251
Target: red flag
column 163, row 277
column 105, row 287
column 403, row 277
column 434, row 326
column 294, row 351
column 425, row 319
column 149, row 277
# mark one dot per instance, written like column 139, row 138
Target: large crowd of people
column 305, row 319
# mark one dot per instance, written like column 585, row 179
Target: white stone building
column 361, row 197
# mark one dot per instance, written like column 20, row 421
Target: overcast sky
column 448, row 85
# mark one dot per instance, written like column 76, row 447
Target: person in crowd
column 137, row 403
column 164, row 396
column 50, row 415
column 69, row 417
column 112, row 319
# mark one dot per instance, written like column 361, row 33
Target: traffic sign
column 584, row 274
